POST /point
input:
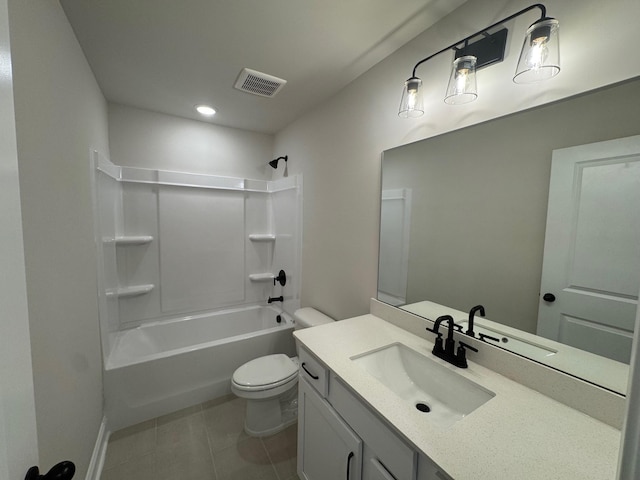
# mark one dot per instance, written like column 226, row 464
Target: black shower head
column 274, row 163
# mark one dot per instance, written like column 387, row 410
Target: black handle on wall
column 281, row 278
column 549, row 297
column 61, row 471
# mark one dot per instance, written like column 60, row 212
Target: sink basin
column 443, row 395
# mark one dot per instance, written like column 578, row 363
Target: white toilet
column 269, row 384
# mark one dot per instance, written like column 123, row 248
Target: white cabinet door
column 327, row 448
column 378, row 471
column 591, row 267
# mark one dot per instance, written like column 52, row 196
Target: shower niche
column 173, row 244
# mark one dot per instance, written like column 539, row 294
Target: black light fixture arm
column 543, row 16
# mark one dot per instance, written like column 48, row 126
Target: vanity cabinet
column 327, row 448
column 338, row 432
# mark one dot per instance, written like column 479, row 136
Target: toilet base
column 269, row 416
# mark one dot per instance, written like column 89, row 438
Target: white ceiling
column 169, row 55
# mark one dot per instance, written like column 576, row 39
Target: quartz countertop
column 519, row 433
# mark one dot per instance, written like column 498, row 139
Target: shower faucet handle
column 281, row 278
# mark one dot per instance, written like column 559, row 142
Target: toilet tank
column 310, row 317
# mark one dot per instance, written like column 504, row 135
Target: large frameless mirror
column 464, row 222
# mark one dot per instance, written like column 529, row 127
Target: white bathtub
column 164, row 366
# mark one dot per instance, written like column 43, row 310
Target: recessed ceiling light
column 205, row 110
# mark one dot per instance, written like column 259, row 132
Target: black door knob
column 549, row 297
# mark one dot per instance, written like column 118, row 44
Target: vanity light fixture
column 205, row 110
column 539, row 60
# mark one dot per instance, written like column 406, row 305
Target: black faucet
column 448, row 351
column 472, row 312
column 275, row 299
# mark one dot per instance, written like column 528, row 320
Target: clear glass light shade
column 462, row 86
column 411, row 105
column 540, row 55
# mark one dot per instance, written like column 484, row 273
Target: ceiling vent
column 259, row 83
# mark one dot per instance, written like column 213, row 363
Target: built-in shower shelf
column 134, row 240
column 132, row 291
column 129, row 240
column 261, row 277
column 262, row 237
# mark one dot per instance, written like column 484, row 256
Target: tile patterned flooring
column 204, row 442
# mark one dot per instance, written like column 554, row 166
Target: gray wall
column 338, row 145
column 18, row 435
column 140, row 138
column 480, row 201
column 60, row 115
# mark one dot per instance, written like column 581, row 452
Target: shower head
column 274, row 163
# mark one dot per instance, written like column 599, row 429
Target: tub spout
column 275, row 299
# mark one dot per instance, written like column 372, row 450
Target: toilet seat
column 265, row 373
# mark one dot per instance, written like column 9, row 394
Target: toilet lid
column 265, row 371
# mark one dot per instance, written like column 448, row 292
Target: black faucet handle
column 434, row 330
column 461, row 355
column 437, row 344
column 465, row 345
column 484, row 337
column 459, row 328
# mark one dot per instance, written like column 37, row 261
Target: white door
column 591, row 267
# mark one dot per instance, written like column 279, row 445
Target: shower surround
column 186, row 265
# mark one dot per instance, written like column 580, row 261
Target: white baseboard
column 99, row 451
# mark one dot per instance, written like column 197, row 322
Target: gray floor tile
column 225, row 423
column 204, row 442
column 282, row 449
column 248, row 460
column 138, row 468
column 130, row 443
column 186, row 429
column 188, row 460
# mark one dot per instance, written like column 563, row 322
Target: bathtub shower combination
column 186, row 265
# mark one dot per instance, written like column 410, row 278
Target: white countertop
column 518, row 434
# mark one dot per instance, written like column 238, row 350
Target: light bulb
column 205, row 110
column 411, row 102
column 462, row 83
column 538, row 53
column 412, row 96
column 462, row 76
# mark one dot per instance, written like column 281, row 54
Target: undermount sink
column 443, row 395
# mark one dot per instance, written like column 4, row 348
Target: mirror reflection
column 464, row 222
